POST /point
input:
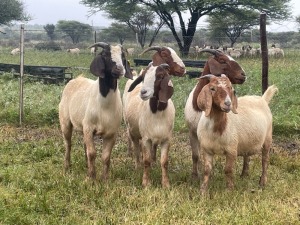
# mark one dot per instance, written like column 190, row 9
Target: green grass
column 34, row 189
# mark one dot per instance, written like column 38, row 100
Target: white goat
column 245, row 131
column 74, row 51
column 15, row 51
column 95, row 106
column 149, row 114
column 218, row 64
column 164, row 55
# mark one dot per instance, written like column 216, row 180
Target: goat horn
column 165, row 66
column 207, row 76
column 212, row 51
column 99, row 44
column 157, row 48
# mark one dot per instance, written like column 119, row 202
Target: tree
column 139, row 19
column 116, row 32
column 12, row 10
column 75, row 30
column 232, row 23
column 50, row 28
column 171, row 11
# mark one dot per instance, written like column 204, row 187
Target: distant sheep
column 93, row 50
column 149, row 114
column 74, row 51
column 276, row 52
column 15, row 51
column 94, row 107
column 130, row 51
column 245, row 131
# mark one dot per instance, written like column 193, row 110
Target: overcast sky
column 50, row 11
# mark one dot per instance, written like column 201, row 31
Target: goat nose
column 143, row 91
column 227, row 103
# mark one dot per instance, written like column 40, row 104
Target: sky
column 50, row 11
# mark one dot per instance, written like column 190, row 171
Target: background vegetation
column 34, row 189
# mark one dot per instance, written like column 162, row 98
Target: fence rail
column 187, row 63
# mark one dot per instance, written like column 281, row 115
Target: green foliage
column 170, row 12
column 50, row 45
column 75, row 30
column 50, row 28
column 12, row 10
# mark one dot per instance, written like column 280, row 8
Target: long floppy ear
column 97, row 66
column 138, row 80
column 234, row 103
column 166, row 89
column 204, row 100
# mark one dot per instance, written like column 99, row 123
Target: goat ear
column 97, row 66
column 138, row 80
column 204, row 100
column 166, row 90
column 234, row 103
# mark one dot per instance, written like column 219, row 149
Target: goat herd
column 218, row 121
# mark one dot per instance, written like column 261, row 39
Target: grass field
column 34, row 189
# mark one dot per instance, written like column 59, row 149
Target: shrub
column 50, row 46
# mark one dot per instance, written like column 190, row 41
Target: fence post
column 21, row 105
column 264, row 51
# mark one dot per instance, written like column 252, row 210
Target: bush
column 50, row 46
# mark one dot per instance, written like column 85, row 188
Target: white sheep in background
column 74, row 51
column 233, row 127
column 93, row 50
column 275, row 52
column 15, row 51
column 95, row 106
column 218, row 64
column 130, row 51
column 149, row 114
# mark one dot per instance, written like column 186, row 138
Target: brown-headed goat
column 219, row 63
column 233, row 127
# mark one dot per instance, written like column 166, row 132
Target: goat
column 95, row 106
column 177, row 68
column 244, row 131
column 74, row 50
column 150, row 115
column 219, row 64
column 15, row 51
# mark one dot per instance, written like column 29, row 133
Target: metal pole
column 95, row 40
column 264, row 51
column 21, row 105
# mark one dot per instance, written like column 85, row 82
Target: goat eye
column 212, row 88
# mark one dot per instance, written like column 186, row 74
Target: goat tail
column 269, row 93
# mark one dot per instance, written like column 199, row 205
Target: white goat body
column 146, row 127
column 95, row 107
